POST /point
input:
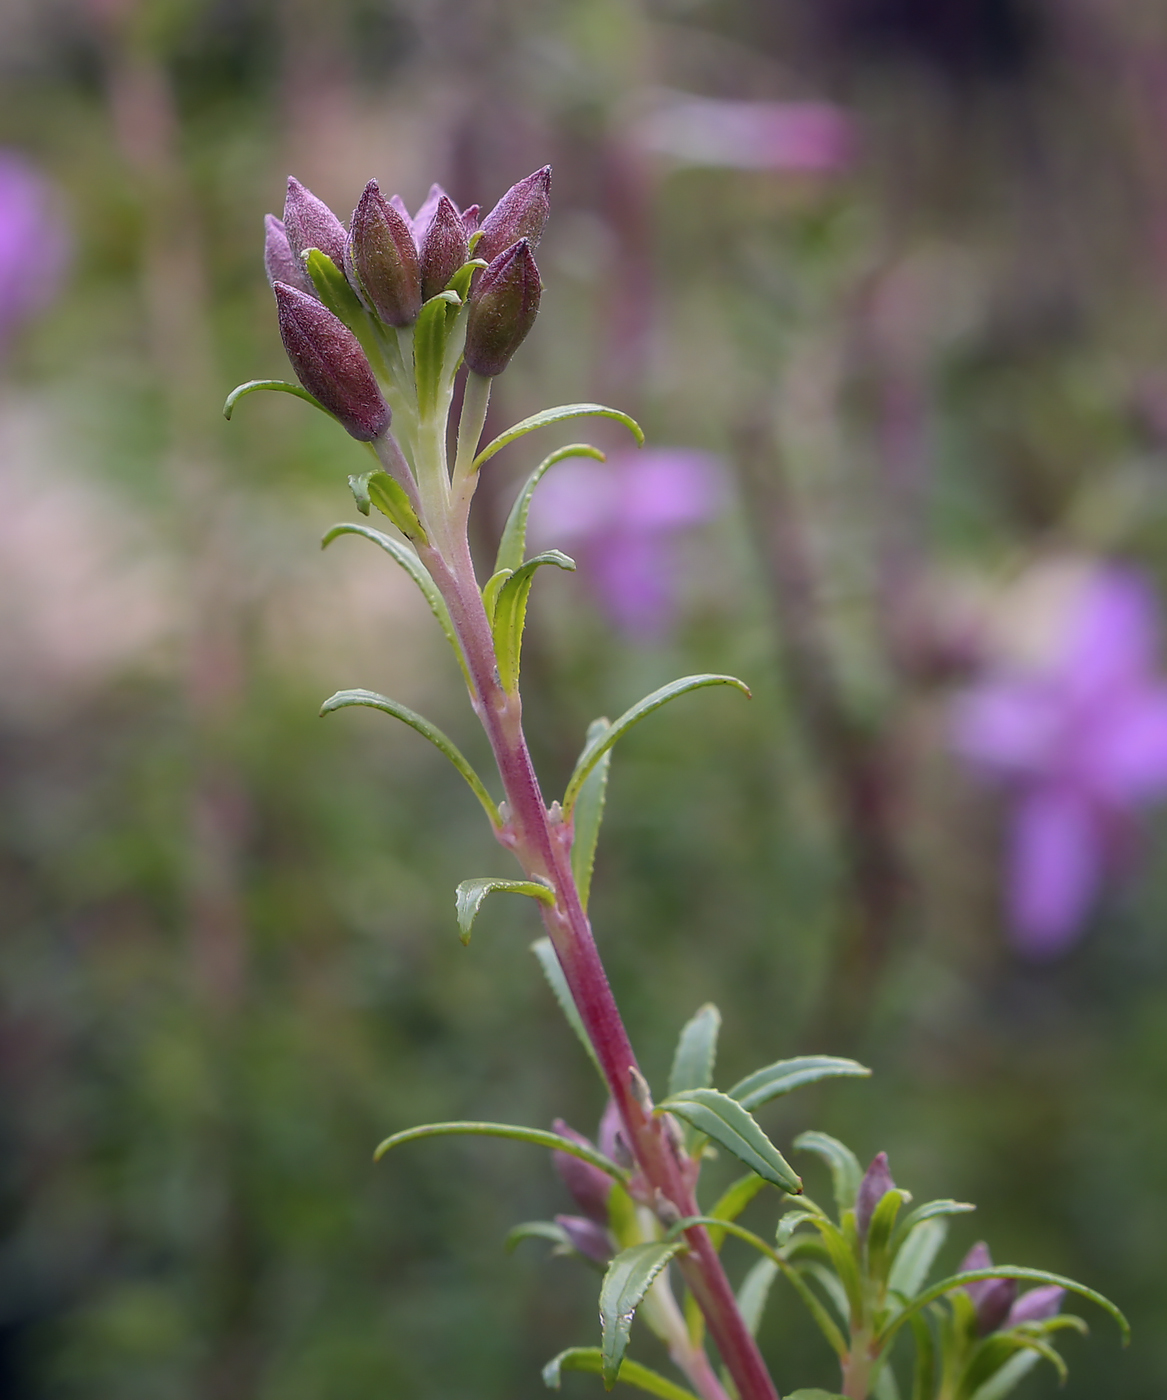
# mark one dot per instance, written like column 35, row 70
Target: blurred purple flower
column 33, row 244
column 1081, row 739
column 621, row 517
column 806, row 137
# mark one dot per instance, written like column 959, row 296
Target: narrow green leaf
column 548, row 961
column 280, row 386
column 947, row 1285
column 931, row 1210
column 490, row 590
column 371, row 700
column 846, row 1173
column 914, row 1257
column 536, row 1230
column 924, row 1378
column 430, row 332
column 886, row 1386
column 996, row 1351
column 733, row 1201
column 416, row 570
column 471, row 893
column 729, row 1125
column 589, row 813
column 510, row 613
column 789, row 1223
column 879, row 1232
column 599, row 746
column 696, row 1051
column 459, row 284
column 1007, row 1379
column 630, row 1275
column 513, row 544
column 783, row 1076
column 754, row 1292
column 556, row 415
column 815, row 1395
column 333, row 288
column 390, row 499
column 538, row 1136
column 631, row 1373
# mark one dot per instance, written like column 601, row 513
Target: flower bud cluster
column 995, row 1300
column 394, row 264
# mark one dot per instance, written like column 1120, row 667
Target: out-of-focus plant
column 34, row 245
column 378, row 321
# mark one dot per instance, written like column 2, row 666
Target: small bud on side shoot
column 502, row 310
column 521, row 213
column 443, row 248
column 877, row 1182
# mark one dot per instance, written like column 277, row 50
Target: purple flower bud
column 587, row 1237
column 330, row 363
column 520, row 213
column 281, row 263
column 503, row 308
column 424, row 216
column 444, row 248
column 380, row 259
column 876, row 1183
column 470, row 219
column 613, row 1143
column 310, row 223
column 1038, row 1305
column 991, row 1297
column 589, row 1186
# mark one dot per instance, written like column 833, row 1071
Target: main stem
column 543, row 848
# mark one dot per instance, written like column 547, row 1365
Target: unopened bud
column 381, row 260
column 993, row 1298
column 281, row 263
column 330, row 363
column 613, row 1143
column 587, row 1237
column 589, row 1186
column 503, row 308
column 520, row 213
column 470, row 219
column 310, row 223
column 877, row 1182
column 444, row 248
column 1038, row 1305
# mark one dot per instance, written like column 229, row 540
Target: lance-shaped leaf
column 879, row 1232
column 537, row 1230
column 729, row 1125
column 510, row 613
column 846, row 1173
column 513, row 544
column 630, row 1275
column 280, row 386
column 696, row 1051
column 557, row 415
column 462, row 1128
column 784, row 1075
column 371, row 700
column 589, row 813
column 755, row 1290
column 430, row 335
column 390, row 499
column 631, row 1373
column 471, row 893
column 599, row 746
column 544, row 951
column 914, row 1257
column 931, row 1210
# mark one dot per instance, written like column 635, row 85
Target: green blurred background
column 229, row 964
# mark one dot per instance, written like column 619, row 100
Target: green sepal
column 538, row 1136
column 630, row 1275
column 755, row 1290
column 513, row 544
column 537, row 1230
column 510, row 614
column 846, row 1173
column 784, row 1075
column 729, row 1125
column 696, row 1051
column 599, row 746
column 371, row 700
column 459, row 284
column 280, row 386
column 631, row 1373
column 333, row 288
column 416, row 570
column 586, row 819
column 555, row 415
column 543, row 950
column 471, row 893
column 430, row 334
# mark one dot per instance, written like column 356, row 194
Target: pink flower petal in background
column 34, row 244
column 1055, row 869
column 808, row 137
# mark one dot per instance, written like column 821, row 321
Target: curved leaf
column 938, row 1290
column 332, row 286
column 846, row 1173
column 557, row 415
column 390, row 499
column 631, row 1373
column 784, row 1075
column 1007, row 1379
column 431, row 331
column 696, row 1051
column 510, row 613
column 536, row 1230
column 1000, row 1348
column 371, row 700
column 599, row 746
column 879, row 1232
column 589, row 813
column 755, row 1290
column 549, row 962
column 538, row 1136
column 471, row 893
column 490, row 590
column 280, row 386
column 630, row 1275
column 513, row 544
column 729, row 1125
column 416, row 570
column 931, row 1210
column 914, row 1257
